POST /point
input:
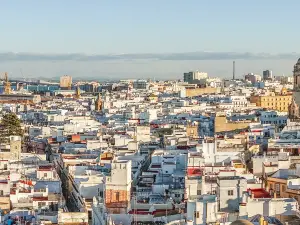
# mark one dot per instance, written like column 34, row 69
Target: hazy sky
column 103, row 27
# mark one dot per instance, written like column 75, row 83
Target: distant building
column 19, row 98
column 140, row 84
column 267, row 75
column 89, row 87
column 66, row 93
column 253, row 78
column 285, row 80
column 194, row 77
column 196, row 91
column 65, row 82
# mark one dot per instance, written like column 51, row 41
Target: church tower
column 294, row 112
column 98, row 104
column 296, row 74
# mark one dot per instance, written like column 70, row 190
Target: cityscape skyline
column 143, row 69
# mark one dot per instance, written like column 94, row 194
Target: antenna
column 233, row 70
column 22, row 74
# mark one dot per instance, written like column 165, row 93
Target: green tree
column 10, row 125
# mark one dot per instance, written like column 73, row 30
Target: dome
column 241, row 222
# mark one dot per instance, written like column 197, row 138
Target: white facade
column 230, row 191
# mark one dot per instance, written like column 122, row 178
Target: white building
column 194, row 76
column 203, row 210
column 230, row 191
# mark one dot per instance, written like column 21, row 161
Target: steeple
column 98, row 104
column 7, row 88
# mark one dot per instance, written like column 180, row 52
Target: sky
column 124, row 38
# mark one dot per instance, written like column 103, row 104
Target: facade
column 222, row 124
column 279, row 102
column 65, row 82
column 274, row 118
column 194, row 76
column 118, row 186
column 230, row 191
column 196, row 91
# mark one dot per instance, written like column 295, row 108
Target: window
column 45, row 174
column 117, row 196
column 283, row 188
column 1, row 192
column 177, row 195
column 196, row 214
column 40, row 204
column 100, row 193
column 277, row 188
column 271, row 186
column 5, row 166
column 230, row 193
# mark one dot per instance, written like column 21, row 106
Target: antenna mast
column 233, row 70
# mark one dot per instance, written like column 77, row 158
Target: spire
column 99, row 103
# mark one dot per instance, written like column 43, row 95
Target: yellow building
column 223, row 125
column 153, row 98
column 278, row 102
column 192, row 92
column 192, row 131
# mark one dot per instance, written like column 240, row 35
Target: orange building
column 118, row 187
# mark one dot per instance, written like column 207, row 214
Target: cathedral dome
column 241, row 222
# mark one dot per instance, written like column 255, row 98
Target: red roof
column 259, row 193
column 194, row 172
column 45, row 168
column 40, row 198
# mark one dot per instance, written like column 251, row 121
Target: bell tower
column 98, row 103
column 296, row 74
column 294, row 107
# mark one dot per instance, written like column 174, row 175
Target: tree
column 10, row 125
